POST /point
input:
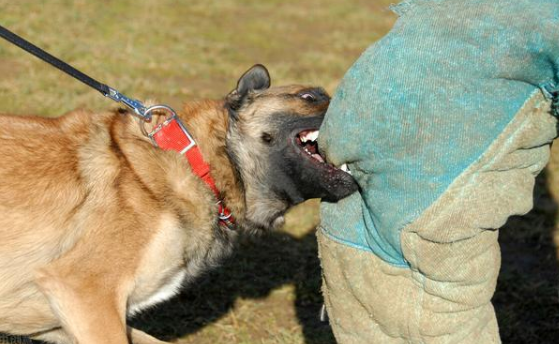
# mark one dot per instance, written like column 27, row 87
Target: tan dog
column 96, row 223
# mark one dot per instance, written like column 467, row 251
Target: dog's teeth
column 345, row 168
column 313, row 135
column 309, row 136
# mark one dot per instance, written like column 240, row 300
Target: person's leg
column 451, row 248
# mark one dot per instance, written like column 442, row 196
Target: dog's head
column 272, row 141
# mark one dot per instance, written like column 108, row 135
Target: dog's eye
column 267, row 137
column 308, row 96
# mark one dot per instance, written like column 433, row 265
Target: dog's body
column 97, row 224
column 99, row 211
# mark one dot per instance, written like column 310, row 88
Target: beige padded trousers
column 452, row 249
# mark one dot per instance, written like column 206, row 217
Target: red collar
column 172, row 135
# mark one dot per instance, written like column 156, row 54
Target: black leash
column 137, row 106
column 43, row 55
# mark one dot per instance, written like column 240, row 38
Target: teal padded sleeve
column 423, row 103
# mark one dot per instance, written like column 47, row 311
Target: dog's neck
column 207, row 122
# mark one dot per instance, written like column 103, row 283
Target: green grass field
column 174, row 51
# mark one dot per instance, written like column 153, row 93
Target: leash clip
column 135, row 105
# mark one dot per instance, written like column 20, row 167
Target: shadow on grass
column 527, row 296
column 259, row 266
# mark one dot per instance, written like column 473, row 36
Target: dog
column 98, row 224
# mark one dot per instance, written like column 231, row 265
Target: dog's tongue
column 317, row 157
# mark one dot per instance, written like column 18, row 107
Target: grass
column 173, row 51
column 177, row 50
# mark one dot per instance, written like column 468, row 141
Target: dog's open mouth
column 306, row 141
column 311, row 174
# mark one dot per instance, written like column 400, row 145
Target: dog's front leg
column 87, row 309
column 139, row 337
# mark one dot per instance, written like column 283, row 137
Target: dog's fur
column 97, row 224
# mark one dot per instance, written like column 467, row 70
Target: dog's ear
column 256, row 78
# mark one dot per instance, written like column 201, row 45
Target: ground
column 174, row 51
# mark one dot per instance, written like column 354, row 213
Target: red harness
column 172, row 135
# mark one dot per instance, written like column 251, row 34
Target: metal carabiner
column 134, row 104
column 145, row 114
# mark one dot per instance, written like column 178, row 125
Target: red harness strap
column 172, row 135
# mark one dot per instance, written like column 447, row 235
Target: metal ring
column 224, row 217
column 147, row 116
